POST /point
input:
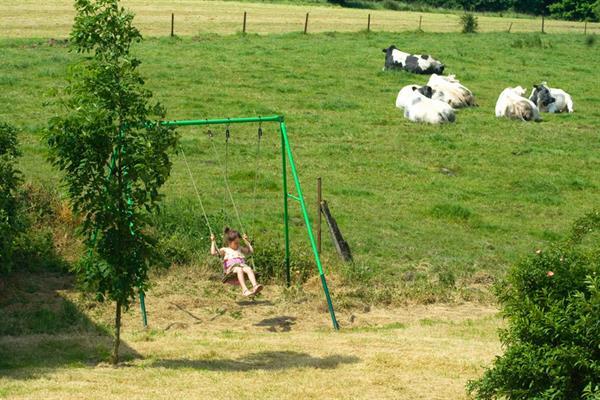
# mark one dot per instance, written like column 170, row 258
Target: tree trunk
column 117, row 341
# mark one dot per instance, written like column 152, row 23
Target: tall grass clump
column 551, row 301
column 590, row 40
column 530, row 42
column 469, row 23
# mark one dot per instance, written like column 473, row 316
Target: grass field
column 53, row 18
column 204, row 345
column 451, row 203
column 442, row 210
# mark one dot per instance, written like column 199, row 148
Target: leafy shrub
column 551, row 301
column 469, row 23
column 270, row 262
column 391, row 5
column 9, row 182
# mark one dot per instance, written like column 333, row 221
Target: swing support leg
column 143, row 309
column 286, row 226
column 300, row 198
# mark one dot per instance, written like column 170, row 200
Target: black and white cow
column 416, row 63
column 419, row 107
column 406, row 95
column 550, row 99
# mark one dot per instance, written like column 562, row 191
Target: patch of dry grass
column 204, row 342
column 53, row 18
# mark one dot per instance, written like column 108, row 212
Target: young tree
column 9, row 181
column 113, row 152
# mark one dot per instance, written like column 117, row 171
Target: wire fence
column 54, row 18
column 428, row 22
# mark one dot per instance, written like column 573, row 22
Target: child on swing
column 234, row 259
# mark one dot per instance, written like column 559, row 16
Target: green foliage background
column 551, row 301
column 561, row 9
column 9, row 182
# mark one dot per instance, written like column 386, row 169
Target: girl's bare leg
column 240, row 275
column 251, row 276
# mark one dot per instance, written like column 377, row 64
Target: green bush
column 9, row 182
column 551, row 301
column 469, row 23
column 391, row 5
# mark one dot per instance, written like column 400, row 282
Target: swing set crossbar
column 286, row 157
column 224, row 121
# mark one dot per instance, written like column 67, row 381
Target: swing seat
column 230, row 278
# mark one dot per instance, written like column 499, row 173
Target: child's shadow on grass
column 265, row 360
column 278, row 324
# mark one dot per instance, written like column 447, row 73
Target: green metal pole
column 223, row 121
column 286, row 145
column 286, row 228
column 143, row 308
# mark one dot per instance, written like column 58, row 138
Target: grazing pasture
column 433, row 213
column 434, row 205
column 53, row 18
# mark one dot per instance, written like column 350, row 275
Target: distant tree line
column 580, row 10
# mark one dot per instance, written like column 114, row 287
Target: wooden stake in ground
column 420, row 21
column 306, row 24
column 510, row 27
column 341, row 245
column 543, row 23
column 369, row 23
column 244, row 23
column 172, row 24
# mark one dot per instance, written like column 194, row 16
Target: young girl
column 234, row 259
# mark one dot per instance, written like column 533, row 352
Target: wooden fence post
column 585, row 28
column 306, row 24
column 244, row 23
column 543, row 23
column 420, row 21
column 369, row 23
column 510, row 27
column 172, row 24
column 319, row 215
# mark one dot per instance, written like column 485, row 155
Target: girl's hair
column 230, row 235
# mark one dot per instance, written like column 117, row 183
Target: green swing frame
column 287, row 158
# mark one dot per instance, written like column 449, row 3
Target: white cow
column 406, row 94
column 512, row 104
column 449, row 90
column 420, row 108
column 550, row 99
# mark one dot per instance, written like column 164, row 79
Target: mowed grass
column 202, row 344
column 53, row 18
column 414, row 201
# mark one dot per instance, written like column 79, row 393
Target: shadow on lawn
column 278, row 324
column 266, row 361
column 42, row 329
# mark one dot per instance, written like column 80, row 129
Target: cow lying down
column 419, row 107
column 550, row 99
column 512, row 104
column 416, row 63
column 449, row 90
